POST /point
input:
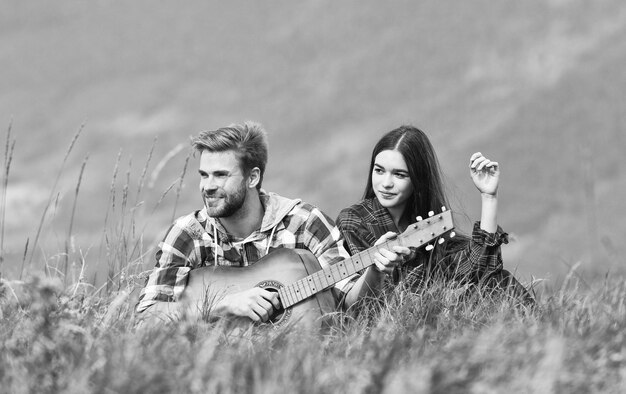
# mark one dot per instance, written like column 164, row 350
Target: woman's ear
column 254, row 178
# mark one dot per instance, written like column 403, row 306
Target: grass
column 435, row 341
column 61, row 333
column 8, row 157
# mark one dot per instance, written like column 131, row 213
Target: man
column 239, row 224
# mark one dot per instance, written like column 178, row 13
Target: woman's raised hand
column 485, row 173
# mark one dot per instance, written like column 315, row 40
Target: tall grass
column 121, row 248
column 436, row 341
column 51, row 198
column 70, row 234
column 60, row 333
column 8, row 157
column 122, row 241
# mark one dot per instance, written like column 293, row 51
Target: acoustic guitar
column 303, row 287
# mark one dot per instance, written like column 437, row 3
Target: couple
column 240, row 223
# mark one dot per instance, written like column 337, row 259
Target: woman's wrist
column 375, row 272
column 375, row 277
column 488, row 215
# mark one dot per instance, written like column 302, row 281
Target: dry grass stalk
column 51, row 196
column 8, row 157
column 69, row 231
column 180, row 186
column 163, row 162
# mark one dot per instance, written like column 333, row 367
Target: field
column 435, row 341
column 99, row 99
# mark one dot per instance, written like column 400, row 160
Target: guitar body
column 282, row 267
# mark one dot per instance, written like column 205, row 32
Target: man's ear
column 254, row 178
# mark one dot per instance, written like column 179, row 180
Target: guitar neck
column 416, row 235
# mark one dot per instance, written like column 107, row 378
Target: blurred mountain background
column 536, row 85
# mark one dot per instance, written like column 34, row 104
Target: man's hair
column 248, row 141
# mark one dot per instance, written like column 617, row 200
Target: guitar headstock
column 425, row 230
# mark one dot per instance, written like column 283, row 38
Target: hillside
column 537, row 85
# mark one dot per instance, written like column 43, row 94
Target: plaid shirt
column 197, row 240
column 475, row 258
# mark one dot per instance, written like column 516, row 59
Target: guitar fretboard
column 416, row 235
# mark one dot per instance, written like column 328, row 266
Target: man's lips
column 212, row 198
column 212, row 195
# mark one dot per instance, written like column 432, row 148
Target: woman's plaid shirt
column 194, row 241
column 475, row 258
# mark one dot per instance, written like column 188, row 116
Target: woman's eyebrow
column 392, row 170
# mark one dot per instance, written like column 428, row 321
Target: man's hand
column 387, row 260
column 485, row 174
column 257, row 304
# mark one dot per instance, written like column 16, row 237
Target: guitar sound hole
column 281, row 315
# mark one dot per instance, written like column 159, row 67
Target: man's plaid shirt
column 475, row 258
column 196, row 240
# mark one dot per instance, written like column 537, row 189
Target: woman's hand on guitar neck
column 387, row 260
column 257, row 304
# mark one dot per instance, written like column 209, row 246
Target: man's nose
column 208, row 183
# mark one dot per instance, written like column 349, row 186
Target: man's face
column 222, row 183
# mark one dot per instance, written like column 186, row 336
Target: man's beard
column 230, row 203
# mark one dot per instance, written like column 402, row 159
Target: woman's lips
column 387, row 195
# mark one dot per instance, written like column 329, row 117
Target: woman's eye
column 401, row 176
column 378, row 171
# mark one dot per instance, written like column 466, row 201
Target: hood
column 276, row 208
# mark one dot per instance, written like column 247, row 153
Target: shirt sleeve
column 357, row 237
column 325, row 241
column 479, row 258
column 175, row 258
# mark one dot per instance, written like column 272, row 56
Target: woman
column 404, row 182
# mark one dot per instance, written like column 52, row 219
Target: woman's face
column 390, row 180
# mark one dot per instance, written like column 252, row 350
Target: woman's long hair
column 427, row 180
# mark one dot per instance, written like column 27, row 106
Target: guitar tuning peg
column 443, row 209
column 429, row 248
column 431, row 213
column 452, row 234
column 441, row 240
column 419, row 218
